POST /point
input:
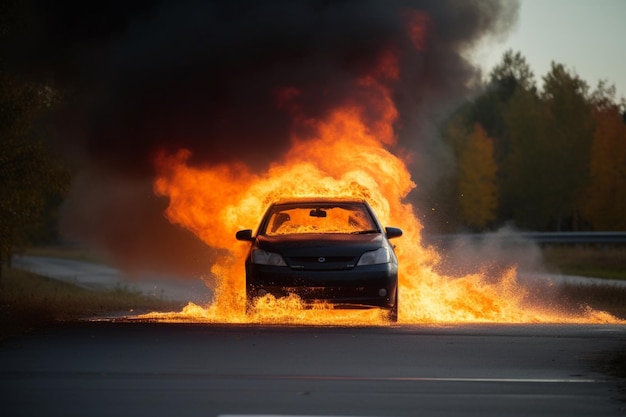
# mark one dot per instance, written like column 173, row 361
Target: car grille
column 324, row 263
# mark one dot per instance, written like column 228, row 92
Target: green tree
column 568, row 134
column 546, row 166
column 512, row 74
column 524, row 180
column 30, row 176
column 477, row 188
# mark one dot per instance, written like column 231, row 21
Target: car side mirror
column 244, row 235
column 392, row 232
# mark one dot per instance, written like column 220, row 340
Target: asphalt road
column 159, row 369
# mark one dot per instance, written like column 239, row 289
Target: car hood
column 321, row 244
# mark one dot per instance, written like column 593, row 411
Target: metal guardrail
column 569, row 238
column 578, row 237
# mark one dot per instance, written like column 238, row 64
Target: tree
column 443, row 209
column 604, row 201
column 509, row 78
column 30, row 176
column 512, row 77
column 546, row 166
column 512, row 74
column 568, row 134
column 477, row 188
column 559, row 152
column 524, row 183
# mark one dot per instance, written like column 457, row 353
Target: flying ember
column 344, row 153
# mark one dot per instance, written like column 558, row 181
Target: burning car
column 320, row 249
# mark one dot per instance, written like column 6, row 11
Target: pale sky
column 587, row 36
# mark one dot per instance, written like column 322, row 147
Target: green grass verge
column 29, row 301
column 593, row 271
column 587, row 261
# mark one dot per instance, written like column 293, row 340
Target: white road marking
column 432, row 379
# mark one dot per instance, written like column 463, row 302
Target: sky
column 587, row 36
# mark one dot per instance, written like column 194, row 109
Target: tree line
column 33, row 179
column 549, row 159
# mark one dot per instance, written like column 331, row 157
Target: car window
column 319, row 219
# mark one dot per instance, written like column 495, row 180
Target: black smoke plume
column 145, row 76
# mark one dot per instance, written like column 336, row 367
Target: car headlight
column 378, row 256
column 262, row 257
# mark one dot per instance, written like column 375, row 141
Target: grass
column 587, row 261
column 29, row 301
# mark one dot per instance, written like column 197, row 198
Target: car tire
column 393, row 311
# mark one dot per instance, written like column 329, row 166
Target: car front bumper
column 358, row 287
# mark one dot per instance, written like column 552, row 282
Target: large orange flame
column 347, row 154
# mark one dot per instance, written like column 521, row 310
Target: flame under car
column 329, row 250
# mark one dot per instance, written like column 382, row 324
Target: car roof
column 319, row 200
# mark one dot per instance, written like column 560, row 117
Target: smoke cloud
column 212, row 77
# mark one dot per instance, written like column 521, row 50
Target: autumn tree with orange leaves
column 477, row 188
column 604, row 200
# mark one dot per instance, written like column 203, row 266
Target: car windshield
column 310, row 218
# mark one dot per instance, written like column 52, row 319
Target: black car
column 320, row 249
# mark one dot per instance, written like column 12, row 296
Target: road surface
column 159, row 369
